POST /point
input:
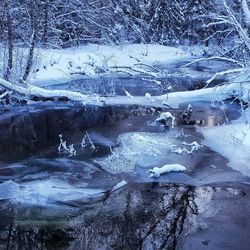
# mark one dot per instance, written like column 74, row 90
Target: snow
column 164, row 117
column 189, row 149
column 232, row 141
column 31, row 90
column 156, row 172
column 63, row 65
column 119, row 185
column 134, row 148
column 128, row 94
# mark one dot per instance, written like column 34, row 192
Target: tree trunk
column 10, row 43
column 46, row 24
column 30, row 57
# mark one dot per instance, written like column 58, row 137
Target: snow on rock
column 164, row 117
column 156, row 172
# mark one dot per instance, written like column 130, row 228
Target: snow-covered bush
column 63, row 148
column 165, row 117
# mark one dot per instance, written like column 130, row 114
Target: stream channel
column 99, row 194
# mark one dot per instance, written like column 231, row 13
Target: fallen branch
column 33, row 91
column 6, row 93
column 222, row 74
column 215, row 58
column 146, row 65
column 133, row 69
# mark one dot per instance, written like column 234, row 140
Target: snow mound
column 232, row 141
column 62, row 65
column 156, row 172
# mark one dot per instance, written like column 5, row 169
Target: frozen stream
column 99, row 195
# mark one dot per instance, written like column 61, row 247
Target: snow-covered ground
column 232, row 141
column 62, row 65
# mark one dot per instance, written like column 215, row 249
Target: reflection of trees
column 151, row 217
column 18, row 237
column 141, row 216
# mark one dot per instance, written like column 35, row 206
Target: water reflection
column 140, row 216
column 18, row 237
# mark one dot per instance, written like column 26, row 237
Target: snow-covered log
column 6, row 93
column 33, row 91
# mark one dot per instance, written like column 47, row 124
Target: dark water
column 51, row 200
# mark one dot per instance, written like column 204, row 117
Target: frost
column 179, row 151
column 194, row 146
column 87, row 141
column 156, row 172
column 181, row 135
column 134, row 147
column 189, row 149
column 62, row 148
column 128, row 94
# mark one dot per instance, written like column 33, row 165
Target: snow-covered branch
column 215, row 58
column 222, row 73
column 33, row 91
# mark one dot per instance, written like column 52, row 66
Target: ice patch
column 46, row 192
column 8, row 190
column 119, row 185
column 134, row 147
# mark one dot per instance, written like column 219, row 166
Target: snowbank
column 156, row 172
column 67, row 64
column 232, row 141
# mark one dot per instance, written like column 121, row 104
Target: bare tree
column 9, row 40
